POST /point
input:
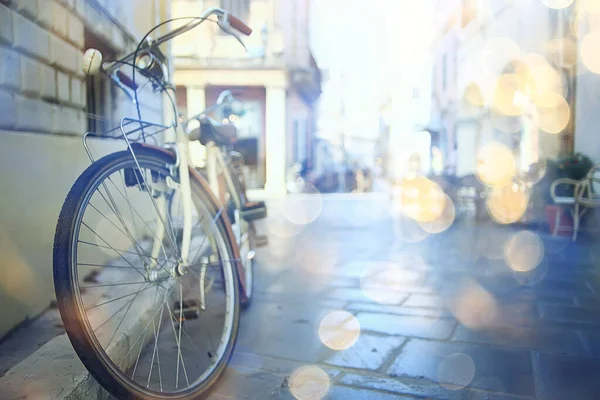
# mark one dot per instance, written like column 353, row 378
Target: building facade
column 277, row 78
column 493, row 63
column 47, row 104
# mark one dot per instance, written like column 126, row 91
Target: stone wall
column 43, row 114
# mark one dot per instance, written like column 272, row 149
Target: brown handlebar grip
column 127, row 81
column 238, row 25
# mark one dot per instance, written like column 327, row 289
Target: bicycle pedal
column 253, row 210
column 186, row 310
column 262, row 241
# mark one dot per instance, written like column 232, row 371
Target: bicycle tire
column 240, row 187
column 68, row 296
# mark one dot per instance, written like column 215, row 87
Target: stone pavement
column 355, row 304
column 444, row 317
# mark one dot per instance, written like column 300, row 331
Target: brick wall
column 42, row 87
column 42, row 118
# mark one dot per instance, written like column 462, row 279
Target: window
column 101, row 93
column 300, row 144
column 239, row 8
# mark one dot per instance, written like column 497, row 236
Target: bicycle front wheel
column 145, row 323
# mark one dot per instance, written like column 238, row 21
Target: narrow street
column 441, row 318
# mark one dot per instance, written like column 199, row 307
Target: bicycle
column 224, row 171
column 147, row 270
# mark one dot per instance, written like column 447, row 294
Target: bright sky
column 375, row 46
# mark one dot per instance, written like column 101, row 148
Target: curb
column 52, row 372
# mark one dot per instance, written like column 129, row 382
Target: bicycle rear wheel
column 245, row 234
column 145, row 324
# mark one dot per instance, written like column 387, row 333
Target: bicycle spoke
column 124, row 196
column 105, row 242
column 126, row 313
column 178, row 347
column 115, row 209
column 172, row 239
column 145, row 329
column 179, row 338
column 162, row 309
column 209, row 228
column 137, row 360
column 123, row 319
column 105, row 217
column 113, row 284
column 105, row 266
column 143, row 341
column 113, row 300
column 118, row 251
column 128, row 202
column 210, row 312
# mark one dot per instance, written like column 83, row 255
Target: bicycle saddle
column 212, row 131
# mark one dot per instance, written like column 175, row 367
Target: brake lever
column 224, row 24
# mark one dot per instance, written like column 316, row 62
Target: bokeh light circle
column 456, row 371
column 532, row 173
column 557, row 4
column 339, row 330
column 507, row 204
column 562, row 51
column 524, row 251
column 442, row 222
column 475, row 307
column 507, row 86
column 590, row 56
column 421, row 199
column 539, row 75
column 589, row 6
column 309, row 382
column 302, row 209
column 533, row 277
column 281, row 227
column 553, row 112
column 496, row 164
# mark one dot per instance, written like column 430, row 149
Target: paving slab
column 368, row 353
column 566, row 377
column 432, row 328
column 400, row 310
column 466, row 365
column 547, row 339
column 54, row 371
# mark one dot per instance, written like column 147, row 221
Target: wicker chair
column 586, row 195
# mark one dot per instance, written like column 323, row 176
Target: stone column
column 196, row 100
column 196, row 103
column 275, row 140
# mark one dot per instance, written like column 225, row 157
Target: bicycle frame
column 180, row 147
column 215, row 163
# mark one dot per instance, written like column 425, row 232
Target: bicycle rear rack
column 131, row 131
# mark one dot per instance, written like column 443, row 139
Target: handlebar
column 226, row 21
column 238, row 25
column 225, row 95
column 125, row 80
